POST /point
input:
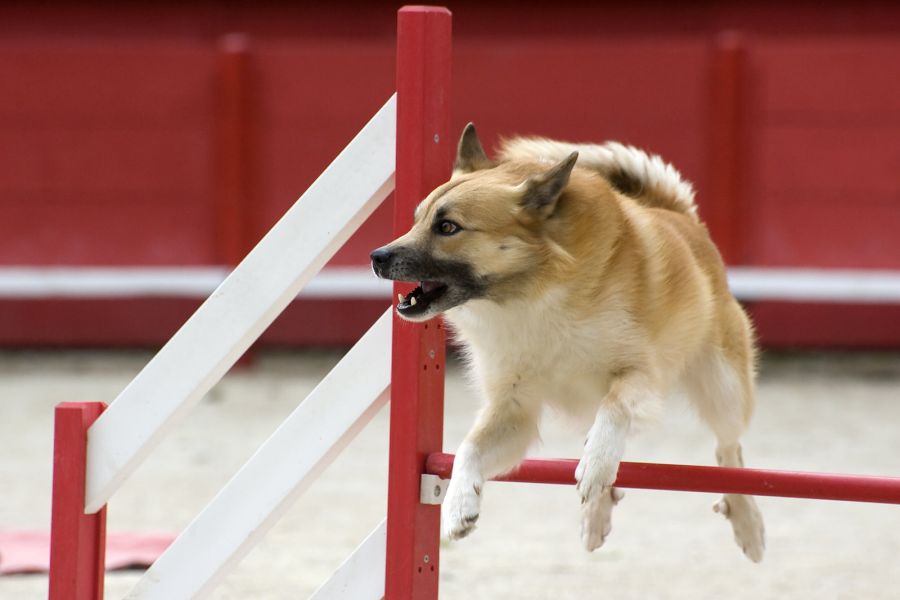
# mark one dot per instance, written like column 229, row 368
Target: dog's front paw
column 460, row 508
column 594, row 475
column 596, row 518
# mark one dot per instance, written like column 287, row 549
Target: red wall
column 129, row 135
column 107, row 152
column 825, row 145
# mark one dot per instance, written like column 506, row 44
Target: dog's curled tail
column 645, row 177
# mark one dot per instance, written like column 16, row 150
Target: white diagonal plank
column 361, row 576
column 283, row 468
column 241, row 308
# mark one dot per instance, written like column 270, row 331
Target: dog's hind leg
column 746, row 520
column 721, row 387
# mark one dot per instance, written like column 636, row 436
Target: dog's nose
column 381, row 257
column 381, row 261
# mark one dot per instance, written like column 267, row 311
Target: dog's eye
column 447, row 227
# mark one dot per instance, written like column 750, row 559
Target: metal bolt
column 427, row 558
column 437, row 138
column 431, row 354
column 437, row 491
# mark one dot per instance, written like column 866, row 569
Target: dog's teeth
column 412, row 301
column 399, row 298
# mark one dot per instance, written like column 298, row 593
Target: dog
column 577, row 277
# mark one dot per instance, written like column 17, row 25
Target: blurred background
column 145, row 147
column 144, row 137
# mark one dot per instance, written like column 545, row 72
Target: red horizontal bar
column 692, row 478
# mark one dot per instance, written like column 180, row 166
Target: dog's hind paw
column 596, row 518
column 721, row 507
column 747, row 523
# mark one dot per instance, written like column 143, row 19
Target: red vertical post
column 723, row 209
column 417, row 374
column 77, row 540
column 235, row 150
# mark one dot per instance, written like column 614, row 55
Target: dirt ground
column 819, row 412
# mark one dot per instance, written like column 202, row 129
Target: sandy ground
column 836, row 413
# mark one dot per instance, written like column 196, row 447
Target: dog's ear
column 470, row 155
column 542, row 191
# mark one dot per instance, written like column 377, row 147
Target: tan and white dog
column 577, row 277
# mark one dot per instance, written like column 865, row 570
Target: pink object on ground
column 29, row 551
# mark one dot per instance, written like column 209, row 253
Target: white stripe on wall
column 169, row 282
column 747, row 283
column 815, row 285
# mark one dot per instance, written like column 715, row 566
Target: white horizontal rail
column 815, row 285
column 169, row 282
column 241, row 308
column 747, row 283
column 361, row 576
column 282, row 469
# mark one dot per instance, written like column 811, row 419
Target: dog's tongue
column 428, row 286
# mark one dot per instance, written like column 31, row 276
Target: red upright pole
column 236, row 191
column 235, row 147
column 723, row 206
column 417, row 375
column 77, row 540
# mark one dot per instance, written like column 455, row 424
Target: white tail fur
column 645, row 177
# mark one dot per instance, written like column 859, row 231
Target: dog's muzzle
column 400, row 265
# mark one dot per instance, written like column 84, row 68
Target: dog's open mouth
column 417, row 301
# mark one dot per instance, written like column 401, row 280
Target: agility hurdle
column 96, row 450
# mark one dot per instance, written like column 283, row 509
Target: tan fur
column 599, row 310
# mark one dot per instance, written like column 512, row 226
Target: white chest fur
column 565, row 361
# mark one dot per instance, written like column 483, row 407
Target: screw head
column 437, row 491
column 437, row 138
column 427, row 558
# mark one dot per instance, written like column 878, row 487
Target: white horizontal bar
column 109, row 282
column 815, row 285
column 361, row 576
column 241, row 308
column 169, row 282
column 747, row 283
column 282, row 469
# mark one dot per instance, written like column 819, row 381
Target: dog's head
column 477, row 234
